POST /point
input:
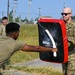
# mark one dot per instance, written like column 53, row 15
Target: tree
column 36, row 19
column 73, row 17
column 10, row 16
column 31, row 20
column 17, row 19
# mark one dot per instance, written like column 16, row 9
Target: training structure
column 52, row 33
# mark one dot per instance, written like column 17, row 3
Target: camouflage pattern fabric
column 5, row 72
column 2, row 30
column 69, row 67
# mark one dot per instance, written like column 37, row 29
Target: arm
column 30, row 48
column 71, row 45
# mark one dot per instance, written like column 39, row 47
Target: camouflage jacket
column 71, row 34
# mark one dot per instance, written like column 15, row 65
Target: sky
column 51, row 8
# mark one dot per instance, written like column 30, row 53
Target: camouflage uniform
column 69, row 67
column 2, row 30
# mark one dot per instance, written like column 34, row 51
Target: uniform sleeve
column 18, row 45
column 0, row 29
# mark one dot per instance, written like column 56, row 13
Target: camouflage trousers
column 69, row 67
column 4, row 72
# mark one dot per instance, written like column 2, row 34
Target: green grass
column 39, row 71
column 29, row 33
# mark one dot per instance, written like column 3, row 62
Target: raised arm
column 30, row 48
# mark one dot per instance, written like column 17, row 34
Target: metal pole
column 20, row 19
column 14, row 10
column 39, row 12
column 8, row 10
column 29, row 3
column 2, row 13
column 64, row 5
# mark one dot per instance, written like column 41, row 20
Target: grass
column 29, row 34
column 38, row 71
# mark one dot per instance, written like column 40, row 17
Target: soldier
column 69, row 67
column 9, row 45
column 2, row 27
